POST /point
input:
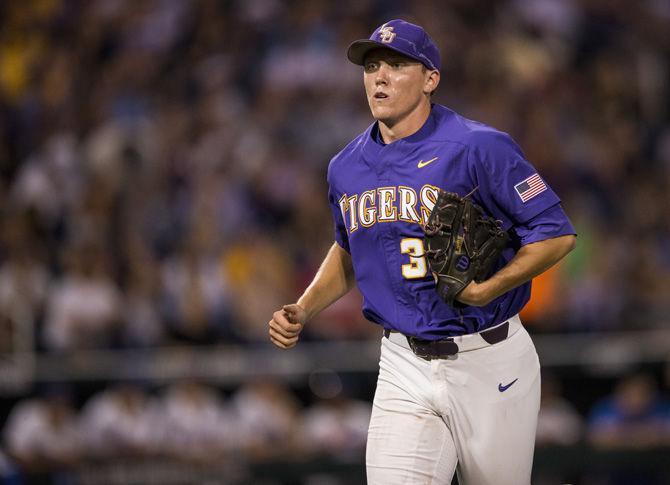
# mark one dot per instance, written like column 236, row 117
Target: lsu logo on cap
column 386, row 34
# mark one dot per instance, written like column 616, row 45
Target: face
column 395, row 85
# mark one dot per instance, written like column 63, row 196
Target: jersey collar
column 373, row 147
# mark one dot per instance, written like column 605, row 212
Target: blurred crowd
column 635, row 415
column 186, row 422
column 162, row 163
column 193, row 423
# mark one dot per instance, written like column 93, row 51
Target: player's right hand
column 286, row 325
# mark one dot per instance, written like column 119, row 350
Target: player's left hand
column 474, row 295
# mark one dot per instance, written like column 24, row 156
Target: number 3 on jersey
column 417, row 267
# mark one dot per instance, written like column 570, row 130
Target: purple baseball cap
column 400, row 36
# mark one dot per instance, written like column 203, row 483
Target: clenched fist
column 286, row 325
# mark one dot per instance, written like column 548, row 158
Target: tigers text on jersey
column 379, row 194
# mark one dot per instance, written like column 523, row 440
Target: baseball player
column 459, row 385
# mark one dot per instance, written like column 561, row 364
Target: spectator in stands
column 194, row 290
column 337, row 427
column 23, row 274
column 24, row 280
column 143, row 325
column 42, row 432
column 195, row 424
column 268, row 416
column 120, row 422
column 635, row 416
column 558, row 423
column 83, row 306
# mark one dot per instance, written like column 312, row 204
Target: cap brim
column 359, row 49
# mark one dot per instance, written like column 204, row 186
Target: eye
column 370, row 66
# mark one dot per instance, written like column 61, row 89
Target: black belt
column 438, row 349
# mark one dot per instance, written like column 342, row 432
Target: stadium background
column 162, row 191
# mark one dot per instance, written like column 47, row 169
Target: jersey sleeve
column 341, row 235
column 508, row 185
column 549, row 224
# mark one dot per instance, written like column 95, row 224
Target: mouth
column 380, row 95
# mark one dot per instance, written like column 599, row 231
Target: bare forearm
column 530, row 261
column 334, row 279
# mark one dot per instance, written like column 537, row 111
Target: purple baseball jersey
column 380, row 194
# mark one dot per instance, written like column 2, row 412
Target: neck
column 392, row 130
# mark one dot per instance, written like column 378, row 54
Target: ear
column 432, row 81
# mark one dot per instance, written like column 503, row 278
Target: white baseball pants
column 433, row 417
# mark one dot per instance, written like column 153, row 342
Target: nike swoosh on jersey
column 502, row 388
column 422, row 164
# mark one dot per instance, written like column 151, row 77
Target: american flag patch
column 530, row 187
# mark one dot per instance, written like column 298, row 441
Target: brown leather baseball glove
column 462, row 244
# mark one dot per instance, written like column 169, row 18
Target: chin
column 383, row 114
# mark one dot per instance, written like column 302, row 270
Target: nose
column 381, row 79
